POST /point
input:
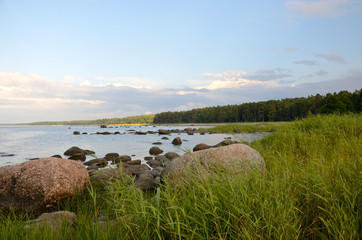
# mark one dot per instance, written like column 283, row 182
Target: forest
column 287, row 109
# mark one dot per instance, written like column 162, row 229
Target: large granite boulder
column 234, row 159
column 37, row 184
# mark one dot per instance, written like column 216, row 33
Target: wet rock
column 73, row 150
column 103, row 126
column 135, row 169
column 164, row 132
column 200, row 146
column 99, row 162
column 141, row 133
column 177, row 141
column 157, row 143
column 78, row 156
column 35, row 185
column 155, row 151
column 84, row 133
column 154, row 163
column 57, row 156
column 190, row 133
column 148, row 158
column 134, row 162
column 165, row 138
column 111, row 156
column 76, row 133
column 124, row 158
column 171, row 155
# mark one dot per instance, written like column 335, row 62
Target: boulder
column 104, row 175
column 76, row 133
column 111, row 156
column 177, row 141
column 165, row 138
column 155, row 151
column 154, row 163
column 200, row 146
column 53, row 220
column 124, row 158
column 164, row 132
column 146, row 184
column 171, row 155
column 103, row 126
column 234, row 159
column 78, row 156
column 35, row 185
column 134, row 162
column 148, row 158
column 73, row 150
column 135, row 169
column 99, row 162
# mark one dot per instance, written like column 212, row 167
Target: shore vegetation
column 311, row 189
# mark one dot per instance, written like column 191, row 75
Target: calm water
column 21, row 143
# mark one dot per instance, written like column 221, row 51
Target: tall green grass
column 247, row 127
column 311, row 189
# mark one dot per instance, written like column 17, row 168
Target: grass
column 310, row 190
column 247, row 127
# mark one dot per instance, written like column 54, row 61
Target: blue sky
column 90, row 59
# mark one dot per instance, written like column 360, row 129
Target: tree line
column 274, row 110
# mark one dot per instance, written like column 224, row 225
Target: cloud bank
column 28, row 98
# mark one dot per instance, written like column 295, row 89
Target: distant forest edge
column 274, row 110
column 287, row 109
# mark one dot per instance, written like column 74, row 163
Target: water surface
column 21, row 143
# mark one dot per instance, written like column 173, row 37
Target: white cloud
column 322, row 8
column 236, row 80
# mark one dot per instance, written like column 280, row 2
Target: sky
column 94, row 59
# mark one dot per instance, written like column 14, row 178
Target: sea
column 25, row 143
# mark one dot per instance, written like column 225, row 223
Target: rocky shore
column 37, row 185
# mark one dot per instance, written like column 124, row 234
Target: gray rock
column 234, row 159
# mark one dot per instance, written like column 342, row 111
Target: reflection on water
column 27, row 142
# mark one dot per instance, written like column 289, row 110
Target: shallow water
column 21, row 143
